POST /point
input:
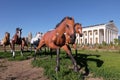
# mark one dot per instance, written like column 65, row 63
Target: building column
column 92, row 36
column 104, row 34
column 83, row 39
column 107, row 36
column 98, row 36
column 110, row 35
column 87, row 37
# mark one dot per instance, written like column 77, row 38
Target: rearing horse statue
column 16, row 40
column 55, row 39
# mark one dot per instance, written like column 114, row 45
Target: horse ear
column 72, row 17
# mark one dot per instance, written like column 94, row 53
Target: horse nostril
column 72, row 36
column 81, row 35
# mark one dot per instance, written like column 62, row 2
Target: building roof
column 109, row 24
column 94, row 25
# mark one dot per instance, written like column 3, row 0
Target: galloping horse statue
column 16, row 40
column 78, row 30
column 24, row 43
column 5, row 41
column 56, row 39
column 35, row 41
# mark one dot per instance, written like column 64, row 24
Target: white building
column 98, row 33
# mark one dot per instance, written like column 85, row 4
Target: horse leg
column 75, row 47
column 4, row 46
column 13, row 49
column 58, row 61
column 41, row 43
column 53, row 46
column 68, row 51
column 51, row 52
column 22, row 48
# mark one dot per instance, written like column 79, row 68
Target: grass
column 110, row 69
column 18, row 57
column 100, row 64
column 49, row 65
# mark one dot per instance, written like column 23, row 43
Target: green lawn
column 100, row 64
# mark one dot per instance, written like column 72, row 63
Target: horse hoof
column 57, row 69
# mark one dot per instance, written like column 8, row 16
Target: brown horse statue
column 16, row 40
column 78, row 30
column 5, row 41
column 56, row 39
column 24, row 43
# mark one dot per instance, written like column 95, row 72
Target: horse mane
column 70, row 18
column 77, row 24
column 8, row 35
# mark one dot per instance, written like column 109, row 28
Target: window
column 85, row 41
column 81, row 41
column 96, row 40
column 90, row 40
column 90, row 33
column 96, row 33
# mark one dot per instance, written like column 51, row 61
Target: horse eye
column 67, row 26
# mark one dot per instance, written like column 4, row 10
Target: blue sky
column 43, row 15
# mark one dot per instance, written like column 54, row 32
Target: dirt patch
column 20, row 70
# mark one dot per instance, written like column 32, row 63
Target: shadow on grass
column 82, row 61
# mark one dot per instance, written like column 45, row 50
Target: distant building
column 98, row 33
column 29, row 37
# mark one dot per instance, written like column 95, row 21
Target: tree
column 116, row 41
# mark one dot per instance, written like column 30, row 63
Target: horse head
column 78, row 29
column 70, row 29
column 19, row 32
column 7, row 35
column 38, row 35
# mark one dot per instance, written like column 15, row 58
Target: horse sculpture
column 78, row 30
column 24, row 43
column 35, row 41
column 5, row 41
column 16, row 40
column 55, row 39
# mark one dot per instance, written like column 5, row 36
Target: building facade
column 98, row 33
